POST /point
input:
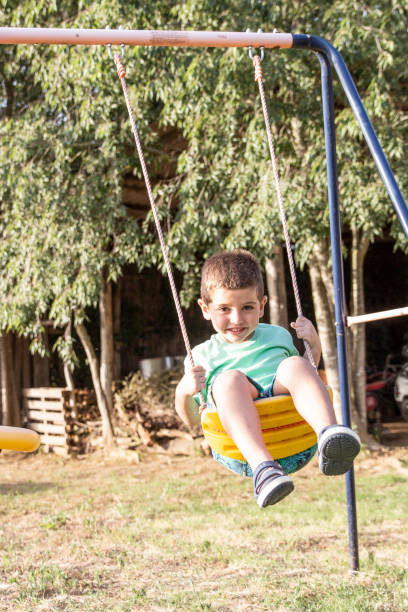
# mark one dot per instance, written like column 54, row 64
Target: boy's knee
column 292, row 367
column 230, row 379
column 292, row 371
column 294, row 364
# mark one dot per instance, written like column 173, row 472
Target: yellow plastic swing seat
column 284, row 431
column 19, row 439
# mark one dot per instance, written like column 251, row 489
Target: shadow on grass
column 24, row 488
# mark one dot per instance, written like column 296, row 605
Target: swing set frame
column 328, row 56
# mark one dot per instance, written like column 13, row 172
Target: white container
column 168, row 362
column 150, row 367
column 155, row 365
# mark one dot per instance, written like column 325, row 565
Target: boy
column 246, row 360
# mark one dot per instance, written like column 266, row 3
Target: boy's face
column 234, row 313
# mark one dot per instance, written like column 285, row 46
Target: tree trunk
column 108, row 434
column 18, row 363
column 357, row 334
column 323, row 300
column 275, row 282
column 41, row 366
column 18, row 345
column 26, row 365
column 69, row 379
column 106, row 335
column 10, row 403
column 117, row 296
column 25, row 372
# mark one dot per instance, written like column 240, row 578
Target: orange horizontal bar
column 376, row 316
column 155, row 38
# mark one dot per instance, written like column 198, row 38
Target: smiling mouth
column 236, row 330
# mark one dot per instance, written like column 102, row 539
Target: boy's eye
column 248, row 307
column 223, row 308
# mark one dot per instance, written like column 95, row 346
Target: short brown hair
column 236, row 269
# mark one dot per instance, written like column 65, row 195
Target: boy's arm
column 306, row 331
column 186, row 406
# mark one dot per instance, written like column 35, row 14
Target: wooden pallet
column 47, row 411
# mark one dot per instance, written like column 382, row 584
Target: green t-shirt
column 258, row 357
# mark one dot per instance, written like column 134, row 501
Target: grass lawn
column 183, row 534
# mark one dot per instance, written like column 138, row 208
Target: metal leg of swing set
column 339, row 292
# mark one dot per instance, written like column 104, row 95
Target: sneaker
column 271, row 483
column 338, row 446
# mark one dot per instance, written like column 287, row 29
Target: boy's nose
column 235, row 316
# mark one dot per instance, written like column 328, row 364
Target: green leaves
column 67, row 143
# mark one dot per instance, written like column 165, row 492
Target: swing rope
column 256, row 60
column 121, row 75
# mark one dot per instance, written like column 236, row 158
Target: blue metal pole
column 338, row 280
column 304, row 41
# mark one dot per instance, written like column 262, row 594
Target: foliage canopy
column 67, row 143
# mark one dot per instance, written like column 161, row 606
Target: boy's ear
column 204, row 309
column 263, row 302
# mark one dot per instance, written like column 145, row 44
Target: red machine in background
column 387, row 391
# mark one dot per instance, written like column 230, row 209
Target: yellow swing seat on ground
column 284, row 431
column 19, row 439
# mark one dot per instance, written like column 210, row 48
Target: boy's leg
column 234, row 397
column 296, row 376
column 337, row 445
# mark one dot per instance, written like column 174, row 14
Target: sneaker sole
column 273, row 492
column 338, row 451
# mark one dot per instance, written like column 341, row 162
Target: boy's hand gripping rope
column 121, row 75
column 256, row 60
